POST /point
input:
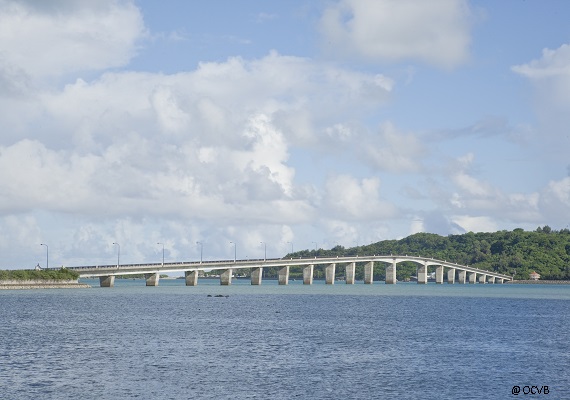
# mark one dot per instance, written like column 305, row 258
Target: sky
column 259, row 127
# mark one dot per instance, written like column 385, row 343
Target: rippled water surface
column 403, row 341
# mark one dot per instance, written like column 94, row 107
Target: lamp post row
column 199, row 243
column 47, row 254
column 118, row 254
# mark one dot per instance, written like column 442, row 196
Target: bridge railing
column 249, row 263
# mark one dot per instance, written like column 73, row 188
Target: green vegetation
column 518, row 252
column 40, row 275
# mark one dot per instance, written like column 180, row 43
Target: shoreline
column 47, row 286
column 38, row 284
column 539, row 282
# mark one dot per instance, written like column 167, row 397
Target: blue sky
column 284, row 122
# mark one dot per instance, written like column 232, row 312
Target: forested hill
column 545, row 251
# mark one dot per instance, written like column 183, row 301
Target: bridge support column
column 152, row 279
column 308, row 274
column 369, row 272
column 439, row 274
column 472, row 277
column 226, row 277
column 284, row 275
column 391, row 273
column 330, row 273
column 422, row 274
column 350, row 272
column 490, row 279
column 256, row 275
column 482, row 278
column 461, row 276
column 451, row 275
column 107, row 281
column 191, row 278
column 499, row 280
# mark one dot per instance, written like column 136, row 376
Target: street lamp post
column 235, row 251
column 291, row 243
column 264, row 250
column 201, row 248
column 47, row 254
column 118, row 253
column 162, row 253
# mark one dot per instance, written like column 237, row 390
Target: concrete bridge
column 455, row 272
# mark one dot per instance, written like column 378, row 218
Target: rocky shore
column 39, row 284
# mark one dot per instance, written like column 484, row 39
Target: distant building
column 534, row 276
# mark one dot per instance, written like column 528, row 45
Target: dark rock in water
column 209, row 295
column 219, row 295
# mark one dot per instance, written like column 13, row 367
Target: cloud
column 471, row 194
column 553, row 63
column 435, row 32
column 54, row 38
column 550, row 77
column 487, row 127
column 476, row 224
column 473, row 203
column 263, row 17
column 438, row 222
column 392, row 150
column 171, row 117
column 275, row 149
column 555, row 200
column 468, row 184
column 212, row 147
column 188, row 145
column 352, row 200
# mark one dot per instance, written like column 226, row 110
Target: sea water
column 403, row 341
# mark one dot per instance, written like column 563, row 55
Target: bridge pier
column 256, row 275
column 369, row 273
column 226, row 277
column 152, row 279
column 192, row 270
column 391, row 273
column 283, row 276
column 461, row 275
column 191, row 278
column 330, row 273
column 107, row 281
column 422, row 274
column 350, row 272
column 308, row 274
column 439, row 274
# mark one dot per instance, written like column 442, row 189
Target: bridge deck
column 131, row 269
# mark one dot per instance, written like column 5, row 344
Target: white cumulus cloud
column 54, row 38
column 435, row 32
